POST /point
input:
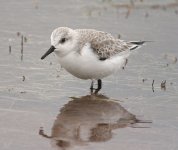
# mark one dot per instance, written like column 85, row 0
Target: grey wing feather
column 109, row 48
column 103, row 44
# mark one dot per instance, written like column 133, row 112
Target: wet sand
column 36, row 93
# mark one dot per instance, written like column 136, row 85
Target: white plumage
column 88, row 53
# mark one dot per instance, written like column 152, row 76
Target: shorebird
column 90, row 54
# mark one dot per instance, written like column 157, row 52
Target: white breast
column 86, row 65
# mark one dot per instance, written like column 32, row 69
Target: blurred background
column 33, row 92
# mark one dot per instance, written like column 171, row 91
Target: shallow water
column 36, row 93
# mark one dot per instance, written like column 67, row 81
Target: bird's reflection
column 87, row 119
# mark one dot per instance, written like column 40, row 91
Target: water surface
column 35, row 93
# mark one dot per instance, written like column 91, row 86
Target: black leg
column 99, row 86
column 91, row 87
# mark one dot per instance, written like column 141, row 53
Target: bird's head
column 63, row 41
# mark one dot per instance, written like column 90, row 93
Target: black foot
column 91, row 87
column 99, row 86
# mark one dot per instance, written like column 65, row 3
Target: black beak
column 52, row 48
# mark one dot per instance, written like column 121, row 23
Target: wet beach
column 44, row 107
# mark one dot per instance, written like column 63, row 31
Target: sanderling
column 90, row 54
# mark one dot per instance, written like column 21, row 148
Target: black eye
column 62, row 40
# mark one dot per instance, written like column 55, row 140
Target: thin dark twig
column 10, row 49
column 163, row 85
column 21, row 47
column 153, row 85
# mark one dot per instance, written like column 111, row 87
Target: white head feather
column 64, row 40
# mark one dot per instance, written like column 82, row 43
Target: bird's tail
column 137, row 44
